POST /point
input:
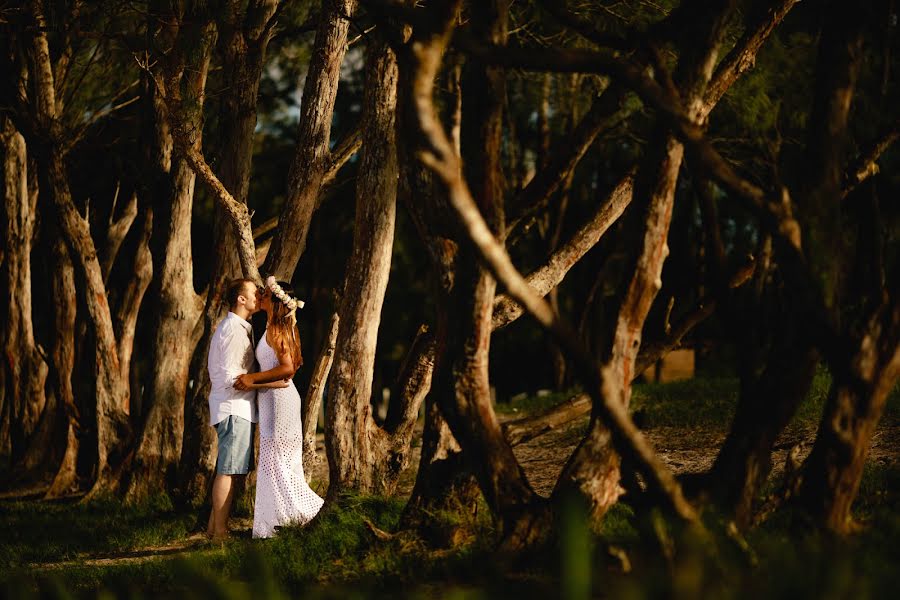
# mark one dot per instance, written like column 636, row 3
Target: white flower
column 291, row 303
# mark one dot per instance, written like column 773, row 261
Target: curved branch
column 425, row 55
column 866, row 165
column 743, row 55
column 552, row 272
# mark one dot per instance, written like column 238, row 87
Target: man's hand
column 281, row 383
column 243, row 382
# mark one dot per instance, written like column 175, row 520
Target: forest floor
column 686, row 423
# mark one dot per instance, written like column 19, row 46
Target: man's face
column 249, row 296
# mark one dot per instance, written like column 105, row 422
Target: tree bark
column 462, row 389
column 593, row 470
column 179, row 308
column 244, row 41
column 311, row 159
column 112, row 427
column 63, row 361
column 312, row 401
column 435, row 151
column 130, row 304
column 25, row 368
column 833, row 471
column 115, row 235
column 353, row 440
column 865, row 372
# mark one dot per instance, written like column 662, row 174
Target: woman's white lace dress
column 282, row 494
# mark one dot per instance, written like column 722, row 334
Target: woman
column 282, row 494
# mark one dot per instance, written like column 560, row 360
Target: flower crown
column 291, row 303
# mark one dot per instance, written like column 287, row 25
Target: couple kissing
column 242, row 396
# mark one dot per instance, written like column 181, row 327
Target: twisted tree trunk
column 244, row 41
column 353, row 440
column 311, row 160
column 63, row 361
column 24, row 366
column 112, row 427
column 178, row 307
column 833, row 471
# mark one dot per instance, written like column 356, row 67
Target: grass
column 339, row 557
column 711, row 402
column 35, row 532
column 694, row 402
column 527, row 405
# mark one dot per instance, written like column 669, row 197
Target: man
column 232, row 412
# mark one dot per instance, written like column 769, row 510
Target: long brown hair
column 282, row 329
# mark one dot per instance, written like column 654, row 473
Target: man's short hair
column 235, row 288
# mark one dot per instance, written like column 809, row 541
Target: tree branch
column 866, row 165
column 743, row 55
column 552, row 272
column 343, row 151
column 425, row 56
column 182, row 138
column 605, row 113
column 118, row 229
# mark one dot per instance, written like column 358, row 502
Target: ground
column 685, row 432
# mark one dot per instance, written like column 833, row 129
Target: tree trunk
column 765, row 407
column 424, row 57
column 112, row 427
column 115, row 235
column 179, row 308
column 311, row 159
column 129, row 307
column 832, row 473
column 444, row 481
column 593, row 470
column 25, row 369
column 312, row 402
column 863, row 373
column 353, row 440
column 462, row 386
column 407, row 396
column 63, row 361
column 245, row 38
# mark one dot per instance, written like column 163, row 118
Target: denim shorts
column 235, row 446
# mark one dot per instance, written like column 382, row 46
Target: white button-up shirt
column 231, row 354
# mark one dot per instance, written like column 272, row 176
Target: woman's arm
column 272, row 385
column 284, row 370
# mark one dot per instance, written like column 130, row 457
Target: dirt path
column 686, row 451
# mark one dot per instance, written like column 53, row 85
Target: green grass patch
column 693, row 402
column 35, row 532
column 532, row 404
column 339, row 557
